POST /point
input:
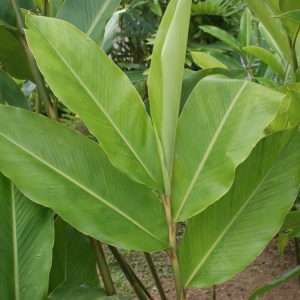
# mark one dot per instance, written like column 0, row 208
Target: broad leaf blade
column 218, row 127
column 229, row 234
column 273, row 284
column 26, row 241
column 10, row 93
column 262, row 12
column 12, row 56
column 245, row 28
column 267, row 57
column 91, row 85
column 206, row 61
column 110, row 31
column 69, row 291
column 166, row 73
column 64, row 170
column 89, row 16
column 291, row 221
column 191, row 81
column 73, row 258
column 223, row 36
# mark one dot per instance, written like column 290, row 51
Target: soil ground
column 265, row 268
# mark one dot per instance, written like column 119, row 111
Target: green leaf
column 262, row 12
column 62, row 169
column 26, row 241
column 273, row 284
column 229, row 234
column 267, row 57
column 28, row 4
column 245, row 28
column 89, row 16
column 110, row 32
column 12, row 56
column 10, row 93
column 223, row 36
column 7, row 15
column 211, row 143
column 191, row 81
column 100, row 93
column 271, row 42
column 68, row 291
column 290, row 25
column 267, row 82
column 283, row 240
column 226, row 60
column 166, row 73
column 73, row 257
column 53, row 7
column 206, row 61
column 291, row 221
column 294, row 109
column 292, row 16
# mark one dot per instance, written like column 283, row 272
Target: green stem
column 44, row 7
column 103, row 267
column 297, row 254
column 214, row 292
column 292, row 44
column 38, row 104
column 173, row 249
column 128, row 273
column 155, row 276
column 39, row 80
column 16, row 8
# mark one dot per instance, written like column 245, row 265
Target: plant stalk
column 44, row 7
column 128, row 273
column 155, row 276
column 173, row 249
column 103, row 267
column 39, row 80
column 297, row 254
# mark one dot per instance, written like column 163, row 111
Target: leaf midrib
column 208, row 151
column 94, row 23
column 101, row 108
column 79, row 185
column 15, row 241
column 226, row 229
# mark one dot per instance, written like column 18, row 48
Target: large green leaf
column 265, row 16
column 228, row 235
column 270, row 41
column 10, row 93
column 273, row 284
column 291, row 221
column 223, row 36
column 26, row 241
column 290, row 26
column 53, row 7
column 6, row 13
column 73, row 258
column 166, row 73
column 67, row 291
column 62, row 169
column 218, row 127
column 12, row 56
column 110, row 31
column 206, row 61
column 245, row 28
column 89, row 16
column 267, row 57
column 90, row 84
column 191, row 81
